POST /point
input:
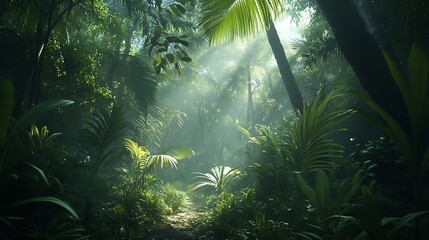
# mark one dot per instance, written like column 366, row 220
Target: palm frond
column 217, row 180
column 170, row 156
column 138, row 153
column 268, row 142
column 180, row 152
column 226, row 20
column 29, row 14
column 140, row 81
column 162, row 159
column 313, row 51
column 102, row 134
column 176, row 117
column 148, row 125
column 305, row 138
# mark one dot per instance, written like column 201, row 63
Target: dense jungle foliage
column 214, row 119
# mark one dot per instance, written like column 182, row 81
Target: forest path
column 181, row 226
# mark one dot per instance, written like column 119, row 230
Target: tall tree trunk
column 285, row 69
column 376, row 27
column 363, row 53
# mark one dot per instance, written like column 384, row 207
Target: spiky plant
column 270, row 170
column 138, row 153
column 216, row 180
column 306, row 138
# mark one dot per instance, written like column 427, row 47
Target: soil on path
column 181, row 226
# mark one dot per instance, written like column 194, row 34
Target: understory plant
column 289, row 165
column 32, row 203
column 303, row 144
column 384, row 216
column 411, row 142
column 173, row 198
column 223, row 216
column 413, row 145
column 216, row 180
column 270, row 168
column 306, row 139
column 136, row 201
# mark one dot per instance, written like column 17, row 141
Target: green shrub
column 173, row 198
column 151, row 207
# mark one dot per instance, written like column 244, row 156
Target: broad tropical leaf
column 403, row 221
column 415, row 91
column 306, row 189
column 323, row 193
column 50, row 200
column 321, row 199
column 40, row 172
column 371, row 216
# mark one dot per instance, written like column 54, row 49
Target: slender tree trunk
column 129, row 38
column 201, row 126
column 249, row 99
column 285, row 69
column 45, row 28
column 364, row 55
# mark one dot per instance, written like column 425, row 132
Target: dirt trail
column 181, row 226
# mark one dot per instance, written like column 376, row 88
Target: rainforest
column 214, row 119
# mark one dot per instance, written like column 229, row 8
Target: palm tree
column 230, row 20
